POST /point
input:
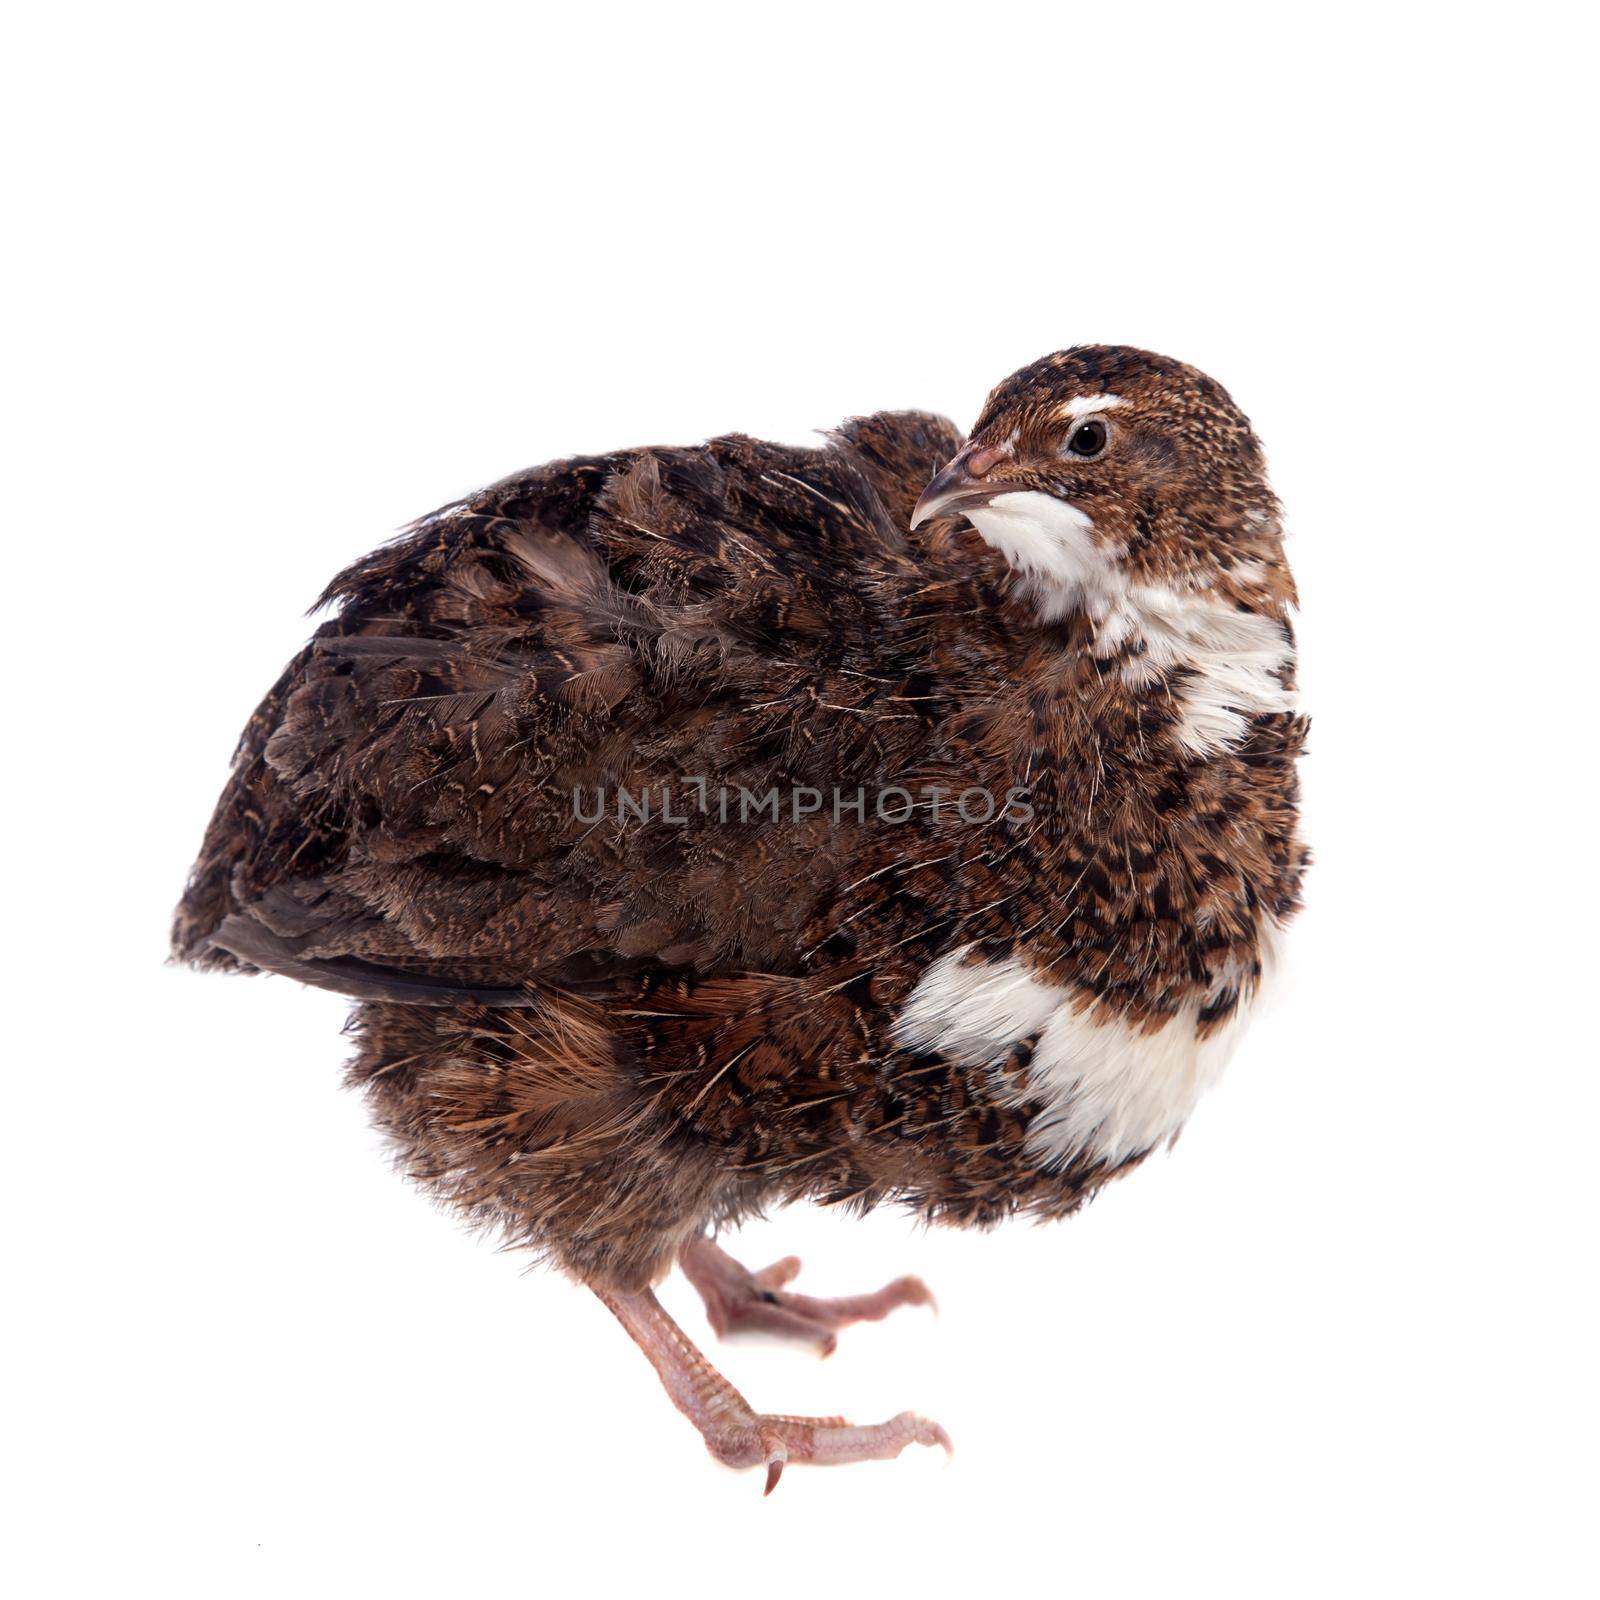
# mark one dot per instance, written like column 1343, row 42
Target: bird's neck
column 1215, row 649
column 1216, row 664
column 1152, row 683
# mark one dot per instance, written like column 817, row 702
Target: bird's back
column 411, row 811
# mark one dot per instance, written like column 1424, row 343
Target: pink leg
column 738, row 1299
column 734, row 1433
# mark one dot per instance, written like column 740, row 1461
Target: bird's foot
column 738, row 1300
column 756, row 1439
column 737, row 1434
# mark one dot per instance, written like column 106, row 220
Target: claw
column 777, row 1458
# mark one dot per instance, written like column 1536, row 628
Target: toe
column 778, row 1274
column 911, row 1291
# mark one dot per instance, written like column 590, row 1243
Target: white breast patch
column 1109, row 1090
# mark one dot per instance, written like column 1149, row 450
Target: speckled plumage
column 602, row 1036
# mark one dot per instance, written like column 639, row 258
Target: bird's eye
column 1088, row 438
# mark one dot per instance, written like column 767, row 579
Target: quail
column 907, row 819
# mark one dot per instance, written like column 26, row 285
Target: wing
column 440, row 798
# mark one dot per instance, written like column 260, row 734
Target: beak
column 962, row 484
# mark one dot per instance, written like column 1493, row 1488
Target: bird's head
column 1103, row 473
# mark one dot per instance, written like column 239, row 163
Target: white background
column 283, row 277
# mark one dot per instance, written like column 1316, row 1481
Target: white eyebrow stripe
column 1086, row 403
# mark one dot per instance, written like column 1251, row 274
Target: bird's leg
column 738, row 1299
column 735, row 1433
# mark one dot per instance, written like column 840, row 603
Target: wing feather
column 401, row 820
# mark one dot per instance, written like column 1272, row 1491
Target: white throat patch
column 1234, row 659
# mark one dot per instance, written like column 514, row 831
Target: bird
column 911, row 818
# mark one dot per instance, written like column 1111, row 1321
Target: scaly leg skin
column 734, row 1432
column 738, row 1299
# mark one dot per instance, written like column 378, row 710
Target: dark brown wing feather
column 400, row 822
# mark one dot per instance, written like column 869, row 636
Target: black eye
column 1088, row 438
